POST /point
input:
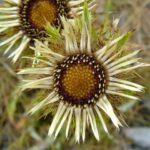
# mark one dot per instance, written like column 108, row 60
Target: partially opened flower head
column 24, row 20
column 82, row 80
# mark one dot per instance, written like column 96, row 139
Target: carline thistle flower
column 28, row 18
column 82, row 80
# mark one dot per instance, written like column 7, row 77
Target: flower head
column 82, row 79
column 26, row 20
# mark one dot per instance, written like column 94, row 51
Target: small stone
column 140, row 136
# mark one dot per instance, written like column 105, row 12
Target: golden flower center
column 79, row 81
column 42, row 12
column 34, row 15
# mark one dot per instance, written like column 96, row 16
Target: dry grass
column 19, row 132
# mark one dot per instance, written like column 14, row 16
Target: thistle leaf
column 53, row 33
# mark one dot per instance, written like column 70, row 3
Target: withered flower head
column 83, row 79
column 21, row 21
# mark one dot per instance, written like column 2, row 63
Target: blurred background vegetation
column 21, row 132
